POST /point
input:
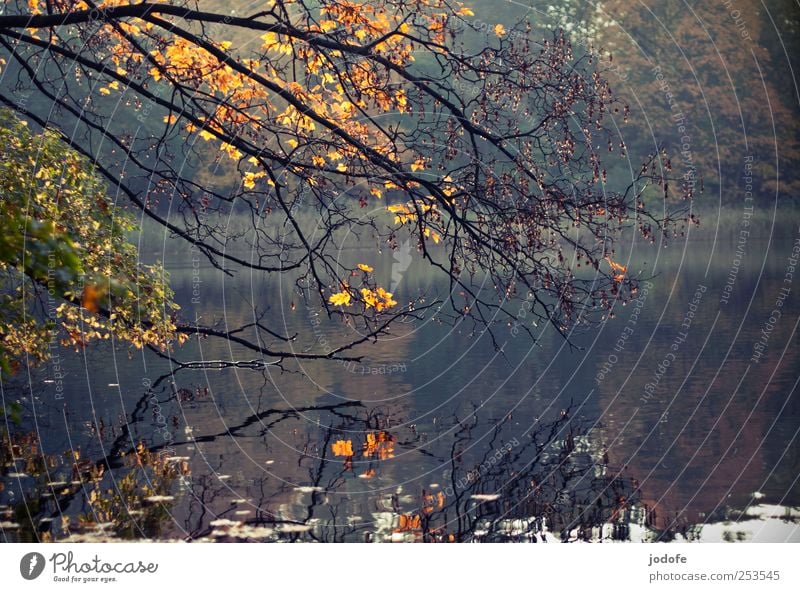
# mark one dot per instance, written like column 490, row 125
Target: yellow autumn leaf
column 340, row 299
column 499, row 30
column 270, row 39
column 378, row 299
column 365, row 267
column 326, row 26
column 387, row 298
column 231, row 151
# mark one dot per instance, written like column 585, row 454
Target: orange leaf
column 89, row 298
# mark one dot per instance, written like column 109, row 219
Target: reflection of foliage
column 379, row 445
column 500, row 485
column 36, row 488
column 63, row 241
column 342, row 448
column 517, row 488
column 138, row 503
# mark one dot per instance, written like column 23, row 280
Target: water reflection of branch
column 518, row 489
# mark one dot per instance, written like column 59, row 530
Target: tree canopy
column 68, row 272
column 377, row 119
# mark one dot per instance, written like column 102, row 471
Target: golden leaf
column 326, row 26
column 616, row 266
column 340, row 299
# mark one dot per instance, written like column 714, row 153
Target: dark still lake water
column 675, row 418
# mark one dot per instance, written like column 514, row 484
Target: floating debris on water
column 239, row 530
column 155, row 499
column 485, row 497
column 294, row 527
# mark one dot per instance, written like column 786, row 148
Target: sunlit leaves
column 410, row 212
column 379, row 299
column 62, row 234
column 250, row 178
column 340, row 299
column 232, row 152
column 489, row 151
column 618, row 269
